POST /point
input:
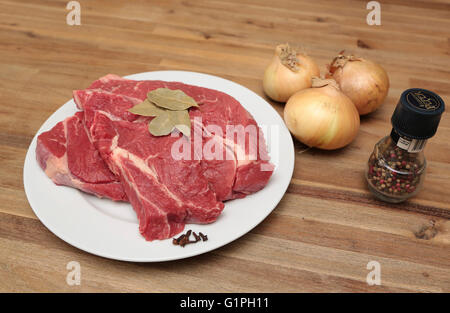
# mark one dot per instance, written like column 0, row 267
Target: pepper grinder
column 396, row 167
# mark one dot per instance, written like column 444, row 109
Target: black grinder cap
column 417, row 114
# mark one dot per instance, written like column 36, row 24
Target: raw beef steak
column 165, row 193
column 108, row 151
column 220, row 173
column 244, row 167
column 69, row 158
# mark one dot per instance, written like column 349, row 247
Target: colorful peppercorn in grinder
column 396, row 167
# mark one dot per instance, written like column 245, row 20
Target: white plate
column 110, row 229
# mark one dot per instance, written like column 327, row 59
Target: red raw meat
column 165, row 193
column 233, row 177
column 69, row 158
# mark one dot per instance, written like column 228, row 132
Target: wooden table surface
column 326, row 228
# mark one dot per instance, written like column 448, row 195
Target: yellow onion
column 364, row 82
column 288, row 73
column 322, row 116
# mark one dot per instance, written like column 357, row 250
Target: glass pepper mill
column 396, row 167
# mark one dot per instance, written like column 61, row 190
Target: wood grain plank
column 326, row 228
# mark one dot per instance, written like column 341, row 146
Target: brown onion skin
column 322, row 117
column 280, row 82
column 364, row 82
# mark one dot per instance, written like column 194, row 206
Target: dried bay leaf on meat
column 166, row 122
column 161, row 125
column 175, row 100
column 146, row 108
column 167, row 118
column 182, row 122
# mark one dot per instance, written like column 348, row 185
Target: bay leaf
column 161, row 125
column 146, row 108
column 175, row 100
column 181, row 121
column 166, row 122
